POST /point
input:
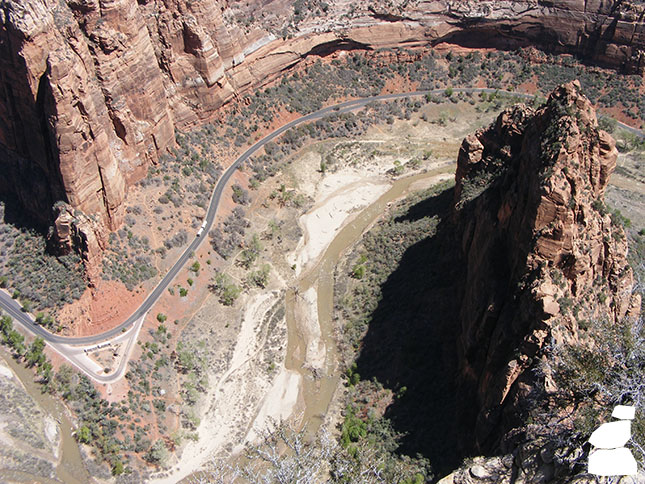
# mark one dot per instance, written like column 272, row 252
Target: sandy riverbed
column 338, row 196
column 247, row 399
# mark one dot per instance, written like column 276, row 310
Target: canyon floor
column 260, row 379
column 258, row 369
column 255, row 383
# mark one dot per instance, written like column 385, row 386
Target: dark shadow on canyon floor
column 411, row 341
column 15, row 214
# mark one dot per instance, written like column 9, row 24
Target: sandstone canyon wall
column 91, row 90
column 541, row 253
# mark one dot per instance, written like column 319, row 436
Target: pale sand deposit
column 341, row 194
column 245, row 400
column 5, row 371
column 307, row 316
column 233, row 400
column 279, row 403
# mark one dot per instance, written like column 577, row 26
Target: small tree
column 6, row 326
column 161, row 317
column 359, row 271
column 84, row 435
column 35, row 355
column 16, row 341
column 252, row 252
column 26, row 305
column 260, row 278
column 117, row 468
column 225, row 289
column 158, row 453
column 240, row 195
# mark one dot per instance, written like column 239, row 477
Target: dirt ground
column 26, row 444
column 249, row 383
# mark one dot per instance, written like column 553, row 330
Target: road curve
column 13, row 308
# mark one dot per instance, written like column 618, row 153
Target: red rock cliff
column 90, row 90
column 538, row 246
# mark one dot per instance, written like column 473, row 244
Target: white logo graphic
column 610, row 457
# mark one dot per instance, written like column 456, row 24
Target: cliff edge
column 542, row 256
column 91, row 90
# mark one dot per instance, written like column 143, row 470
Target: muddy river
column 70, row 468
column 317, row 392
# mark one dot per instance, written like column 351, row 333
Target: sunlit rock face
column 538, row 247
column 92, row 90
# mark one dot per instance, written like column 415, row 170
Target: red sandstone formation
column 538, row 244
column 73, row 231
column 92, row 89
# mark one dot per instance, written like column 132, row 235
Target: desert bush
column 592, row 375
column 259, row 278
column 227, row 239
column 158, row 453
column 240, row 195
column 310, row 461
column 177, row 240
column 223, row 286
column 252, row 251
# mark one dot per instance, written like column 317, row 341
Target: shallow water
column 318, row 390
column 70, row 469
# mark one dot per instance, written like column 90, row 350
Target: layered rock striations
column 91, row 90
column 541, row 253
column 84, row 109
column 75, row 232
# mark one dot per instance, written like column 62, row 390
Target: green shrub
column 158, row 453
column 225, row 289
column 250, row 254
column 259, row 278
column 353, row 428
column 358, row 272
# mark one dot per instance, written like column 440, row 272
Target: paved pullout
column 65, row 345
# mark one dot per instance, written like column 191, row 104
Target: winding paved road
column 60, row 343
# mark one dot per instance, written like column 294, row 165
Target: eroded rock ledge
column 538, row 248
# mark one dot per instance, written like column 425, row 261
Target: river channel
column 70, row 468
column 317, row 392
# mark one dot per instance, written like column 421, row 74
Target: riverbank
column 296, row 377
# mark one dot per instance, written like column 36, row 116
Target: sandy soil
column 26, row 444
column 245, row 396
column 306, row 308
column 233, row 400
column 101, row 309
column 341, row 194
column 279, row 404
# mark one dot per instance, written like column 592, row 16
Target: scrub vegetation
column 362, row 302
column 185, row 178
column 39, row 280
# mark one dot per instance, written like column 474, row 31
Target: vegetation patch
column 37, row 279
column 128, row 257
column 377, row 292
